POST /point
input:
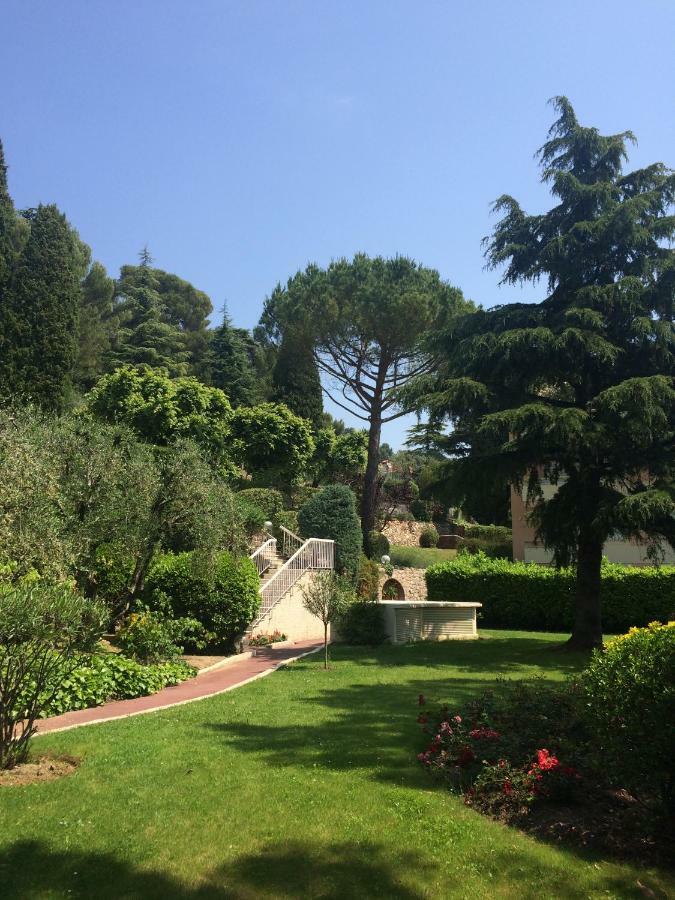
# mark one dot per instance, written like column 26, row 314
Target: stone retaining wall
column 405, row 534
column 411, row 580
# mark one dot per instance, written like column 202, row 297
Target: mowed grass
column 300, row 785
column 419, row 557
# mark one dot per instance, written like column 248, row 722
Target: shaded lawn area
column 419, row 557
column 303, row 784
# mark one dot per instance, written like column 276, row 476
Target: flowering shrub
column 475, row 756
column 264, row 640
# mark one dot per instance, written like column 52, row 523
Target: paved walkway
column 218, row 681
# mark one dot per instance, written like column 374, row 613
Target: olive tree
column 326, row 597
column 42, row 630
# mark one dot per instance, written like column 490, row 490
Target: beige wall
column 290, row 617
column 527, row 549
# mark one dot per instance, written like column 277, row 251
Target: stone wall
column 411, row 580
column 405, row 534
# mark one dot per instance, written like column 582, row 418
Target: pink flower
column 457, row 719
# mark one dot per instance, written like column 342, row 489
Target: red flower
column 466, row 756
column 508, row 788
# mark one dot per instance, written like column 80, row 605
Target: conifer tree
column 39, row 326
column 296, row 380
column 96, row 326
column 230, row 365
column 578, row 389
column 144, row 336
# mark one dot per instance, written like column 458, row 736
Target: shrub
column 98, row 678
column 289, row 519
column 362, row 623
column 269, row 500
column 495, row 533
column 379, row 544
column 331, row 513
column 264, row 640
column 252, row 518
column 149, row 636
column 534, row 597
column 224, row 598
column 42, row 627
column 494, row 548
column 429, row 537
column 421, row 510
column 367, row 579
column 629, row 692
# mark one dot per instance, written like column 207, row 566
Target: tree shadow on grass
column 295, row 869
column 493, row 655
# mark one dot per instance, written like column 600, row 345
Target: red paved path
column 216, row 682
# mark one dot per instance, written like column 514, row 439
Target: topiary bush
column 379, row 545
column 268, row 500
column 534, row 597
column 367, row 579
column 629, row 692
column 224, row 598
column 362, row 623
column 429, row 537
column 331, row 513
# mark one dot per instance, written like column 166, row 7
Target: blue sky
column 241, row 140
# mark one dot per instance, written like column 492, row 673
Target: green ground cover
column 303, row 784
column 419, row 557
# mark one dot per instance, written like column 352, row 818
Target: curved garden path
column 215, row 681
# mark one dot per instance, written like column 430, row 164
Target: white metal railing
column 290, row 542
column 312, row 554
column 265, row 555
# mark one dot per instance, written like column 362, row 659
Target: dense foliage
column 429, row 537
column 331, row 513
column 97, row 678
column 223, row 595
column 362, row 622
column 526, row 595
column 629, row 694
column 150, row 637
column 271, row 443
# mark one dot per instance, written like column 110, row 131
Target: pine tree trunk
column 369, row 496
column 587, row 631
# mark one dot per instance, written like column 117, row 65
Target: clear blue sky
column 241, row 140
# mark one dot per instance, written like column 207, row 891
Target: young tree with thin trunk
column 367, row 319
column 326, row 597
column 578, row 389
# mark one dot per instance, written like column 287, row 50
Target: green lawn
column 303, row 784
column 419, row 557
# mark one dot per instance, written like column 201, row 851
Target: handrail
column 264, row 556
column 314, row 553
column 291, row 542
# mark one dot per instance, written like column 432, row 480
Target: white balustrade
column 312, row 554
column 265, row 555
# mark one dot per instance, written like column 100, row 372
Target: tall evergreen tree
column 579, row 388
column 188, row 310
column 295, row 378
column 39, row 326
column 230, row 365
column 144, row 335
column 96, row 326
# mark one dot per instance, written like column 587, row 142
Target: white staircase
column 280, row 571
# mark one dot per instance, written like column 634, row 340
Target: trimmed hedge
column 379, row 545
column 224, row 599
column 534, row 597
column 429, row 537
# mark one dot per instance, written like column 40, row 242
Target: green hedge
column 224, row 599
column 109, row 676
column 362, row 623
column 526, row 595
